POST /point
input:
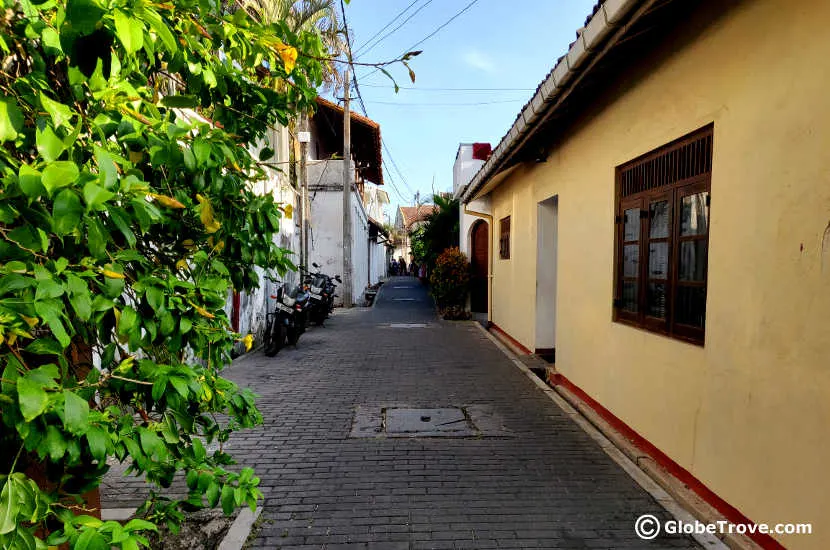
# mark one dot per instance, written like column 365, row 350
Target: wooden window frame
column 504, row 238
column 639, row 184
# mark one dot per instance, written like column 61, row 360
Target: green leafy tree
column 126, row 216
column 319, row 16
column 438, row 233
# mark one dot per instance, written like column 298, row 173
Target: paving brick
column 543, row 483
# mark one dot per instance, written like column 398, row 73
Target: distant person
column 413, row 269
column 401, row 266
column 393, row 267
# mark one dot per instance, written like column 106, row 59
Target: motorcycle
column 288, row 320
column 321, row 289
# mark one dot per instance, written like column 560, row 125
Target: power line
column 363, row 108
column 395, row 164
column 382, row 38
column 433, row 33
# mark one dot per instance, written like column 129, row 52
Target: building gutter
column 604, row 30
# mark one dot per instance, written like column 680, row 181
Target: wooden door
column 480, row 260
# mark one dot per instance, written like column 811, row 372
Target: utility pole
column 347, row 199
column 304, row 138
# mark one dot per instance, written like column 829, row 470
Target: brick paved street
column 542, row 483
column 530, row 478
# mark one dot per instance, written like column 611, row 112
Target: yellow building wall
column 749, row 413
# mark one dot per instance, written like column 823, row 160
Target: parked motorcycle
column 321, row 289
column 288, row 320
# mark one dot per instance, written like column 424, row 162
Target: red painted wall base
column 731, row 513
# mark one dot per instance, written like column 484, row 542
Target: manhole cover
column 404, row 420
column 427, row 422
column 403, row 299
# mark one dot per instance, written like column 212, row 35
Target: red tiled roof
column 414, row 214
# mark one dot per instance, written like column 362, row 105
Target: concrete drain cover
column 404, row 421
column 428, row 422
column 407, row 325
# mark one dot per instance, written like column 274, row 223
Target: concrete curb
column 658, row 483
column 240, row 529
column 234, row 539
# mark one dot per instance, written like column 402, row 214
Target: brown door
column 479, row 248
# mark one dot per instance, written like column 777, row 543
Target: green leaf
column 128, row 320
column 266, row 154
column 27, row 237
column 155, row 297
column 14, row 281
column 189, row 159
column 130, row 31
column 83, row 15
column 75, row 413
column 228, row 500
column 107, row 170
column 51, row 311
column 161, row 29
column 29, row 180
column 32, row 397
column 201, row 149
column 49, row 145
column 97, row 439
column 45, row 346
column 8, row 507
column 59, row 174
column 51, row 41
column 66, row 212
column 140, row 525
column 60, row 113
column 212, row 494
column 79, row 296
column 11, row 119
column 97, row 238
column 91, row 539
column 180, row 385
column 180, row 101
column 150, row 442
column 95, row 196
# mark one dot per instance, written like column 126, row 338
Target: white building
column 247, row 310
column 475, row 222
column 370, row 248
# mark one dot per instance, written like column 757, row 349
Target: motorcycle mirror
column 314, row 264
column 338, row 279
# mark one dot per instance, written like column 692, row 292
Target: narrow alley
column 335, row 474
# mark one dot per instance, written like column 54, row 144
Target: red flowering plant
column 450, row 281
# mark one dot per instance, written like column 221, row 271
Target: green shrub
column 450, row 281
column 127, row 214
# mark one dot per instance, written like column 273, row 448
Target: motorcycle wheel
column 277, row 339
column 293, row 335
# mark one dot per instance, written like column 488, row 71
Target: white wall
column 464, row 169
column 326, row 220
column 255, row 304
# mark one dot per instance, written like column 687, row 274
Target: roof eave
column 601, row 32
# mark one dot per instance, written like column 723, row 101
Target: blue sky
column 493, row 44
